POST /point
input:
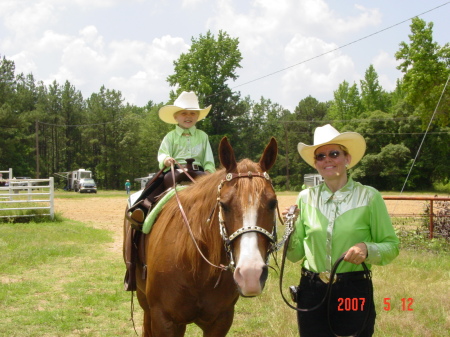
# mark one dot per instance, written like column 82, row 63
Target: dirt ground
column 108, row 213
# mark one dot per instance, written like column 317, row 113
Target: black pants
column 347, row 310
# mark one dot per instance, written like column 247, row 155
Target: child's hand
column 168, row 161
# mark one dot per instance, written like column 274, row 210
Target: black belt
column 325, row 276
column 195, row 167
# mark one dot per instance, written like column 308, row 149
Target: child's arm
column 164, row 152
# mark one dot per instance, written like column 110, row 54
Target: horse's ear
column 226, row 155
column 269, row 156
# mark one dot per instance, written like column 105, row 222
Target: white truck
column 80, row 181
column 312, row 179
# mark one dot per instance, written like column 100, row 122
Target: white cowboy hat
column 323, row 135
column 186, row 101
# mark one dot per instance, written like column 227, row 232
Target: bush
column 441, row 218
column 442, row 187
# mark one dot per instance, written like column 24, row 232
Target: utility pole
column 288, row 187
column 37, row 149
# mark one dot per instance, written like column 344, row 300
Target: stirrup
column 134, row 224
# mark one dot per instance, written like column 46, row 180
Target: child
column 186, row 145
column 186, row 141
column 180, row 144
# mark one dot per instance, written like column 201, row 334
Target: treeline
column 51, row 128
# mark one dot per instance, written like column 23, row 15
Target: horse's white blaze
column 250, row 263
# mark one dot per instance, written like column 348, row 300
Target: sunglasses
column 332, row 154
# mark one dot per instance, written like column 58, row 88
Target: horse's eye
column 224, row 206
column 272, row 204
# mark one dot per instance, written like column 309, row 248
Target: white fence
column 18, row 195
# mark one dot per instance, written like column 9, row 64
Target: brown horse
column 231, row 214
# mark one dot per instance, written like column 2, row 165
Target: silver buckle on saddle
column 195, row 167
column 325, row 277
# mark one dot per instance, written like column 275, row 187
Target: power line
column 351, row 120
column 76, row 125
column 387, row 133
column 341, row 47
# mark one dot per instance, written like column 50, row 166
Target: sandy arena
column 108, row 213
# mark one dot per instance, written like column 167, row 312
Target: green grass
column 58, row 279
column 62, row 279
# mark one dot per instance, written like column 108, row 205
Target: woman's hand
column 287, row 209
column 356, row 254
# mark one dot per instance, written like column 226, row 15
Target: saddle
column 134, row 250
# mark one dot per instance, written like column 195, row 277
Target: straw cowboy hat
column 323, row 135
column 186, row 101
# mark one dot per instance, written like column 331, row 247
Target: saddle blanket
column 151, row 217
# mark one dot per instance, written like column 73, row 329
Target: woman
column 336, row 217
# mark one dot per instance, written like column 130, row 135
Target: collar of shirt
column 340, row 194
column 180, row 131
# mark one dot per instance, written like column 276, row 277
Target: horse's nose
column 251, row 280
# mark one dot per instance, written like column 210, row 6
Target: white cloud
column 27, row 64
column 280, row 34
column 386, row 67
column 136, row 68
column 151, row 68
column 191, row 3
column 130, row 45
column 24, row 19
column 384, row 61
column 51, row 42
column 316, row 77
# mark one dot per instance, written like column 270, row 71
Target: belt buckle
column 195, row 167
column 325, row 277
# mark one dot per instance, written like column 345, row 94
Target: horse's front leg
column 219, row 327
column 162, row 325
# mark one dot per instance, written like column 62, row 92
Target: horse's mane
column 198, row 201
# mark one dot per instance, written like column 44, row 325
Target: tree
column 206, row 69
column 74, row 117
column 387, row 169
column 7, row 80
column 346, row 104
column 310, row 109
column 373, row 97
column 426, row 69
column 106, row 113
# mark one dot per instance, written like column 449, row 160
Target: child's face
column 186, row 118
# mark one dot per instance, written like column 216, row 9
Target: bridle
column 228, row 239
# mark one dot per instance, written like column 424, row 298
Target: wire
column 350, row 120
column 73, row 125
column 426, row 132
column 340, row 47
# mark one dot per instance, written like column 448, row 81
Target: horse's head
column 248, row 206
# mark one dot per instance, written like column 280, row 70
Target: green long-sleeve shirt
column 181, row 147
column 330, row 223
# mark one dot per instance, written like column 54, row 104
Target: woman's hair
column 342, row 147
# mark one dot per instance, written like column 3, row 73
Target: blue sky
column 130, row 45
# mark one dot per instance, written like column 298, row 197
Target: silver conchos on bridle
column 228, row 239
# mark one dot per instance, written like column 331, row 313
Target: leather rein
column 289, row 223
column 228, row 239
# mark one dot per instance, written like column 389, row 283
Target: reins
column 327, row 297
column 228, row 239
column 186, row 221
